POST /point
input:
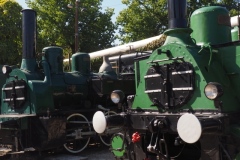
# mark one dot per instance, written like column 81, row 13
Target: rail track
column 94, row 151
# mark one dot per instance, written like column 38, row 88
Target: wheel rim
column 77, row 123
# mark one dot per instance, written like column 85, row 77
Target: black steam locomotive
column 43, row 107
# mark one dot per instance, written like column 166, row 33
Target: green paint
column 54, row 56
column 117, row 143
column 210, row 64
column 81, row 63
column 177, row 49
column 234, row 33
column 211, row 25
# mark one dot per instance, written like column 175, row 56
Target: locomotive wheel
column 76, row 125
column 107, row 135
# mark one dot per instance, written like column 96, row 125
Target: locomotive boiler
column 43, row 107
column 187, row 101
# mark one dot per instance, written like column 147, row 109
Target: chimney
column 177, row 14
column 28, row 39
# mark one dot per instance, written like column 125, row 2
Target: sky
column 116, row 4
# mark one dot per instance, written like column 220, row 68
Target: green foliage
column 66, row 67
column 10, row 32
column 56, row 25
column 96, row 64
column 231, row 5
column 147, row 18
column 155, row 44
column 142, row 19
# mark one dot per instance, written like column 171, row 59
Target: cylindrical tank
column 54, row 56
column 81, row 63
column 211, row 25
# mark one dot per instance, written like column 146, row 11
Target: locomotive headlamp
column 213, row 90
column 117, row 96
column 6, row 69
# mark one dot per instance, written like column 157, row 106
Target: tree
column 231, row 5
column 146, row 18
column 56, row 25
column 10, row 32
column 142, row 19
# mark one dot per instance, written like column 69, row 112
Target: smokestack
column 29, row 33
column 177, row 14
column 28, row 39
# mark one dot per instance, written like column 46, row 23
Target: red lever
column 135, row 137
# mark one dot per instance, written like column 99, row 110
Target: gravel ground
column 92, row 152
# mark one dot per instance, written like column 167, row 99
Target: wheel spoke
column 76, row 141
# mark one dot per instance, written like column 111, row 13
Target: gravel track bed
column 92, row 152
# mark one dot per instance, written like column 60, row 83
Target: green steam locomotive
column 187, row 101
column 43, row 107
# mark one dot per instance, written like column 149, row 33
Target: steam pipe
column 234, row 21
column 130, row 57
column 123, row 49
